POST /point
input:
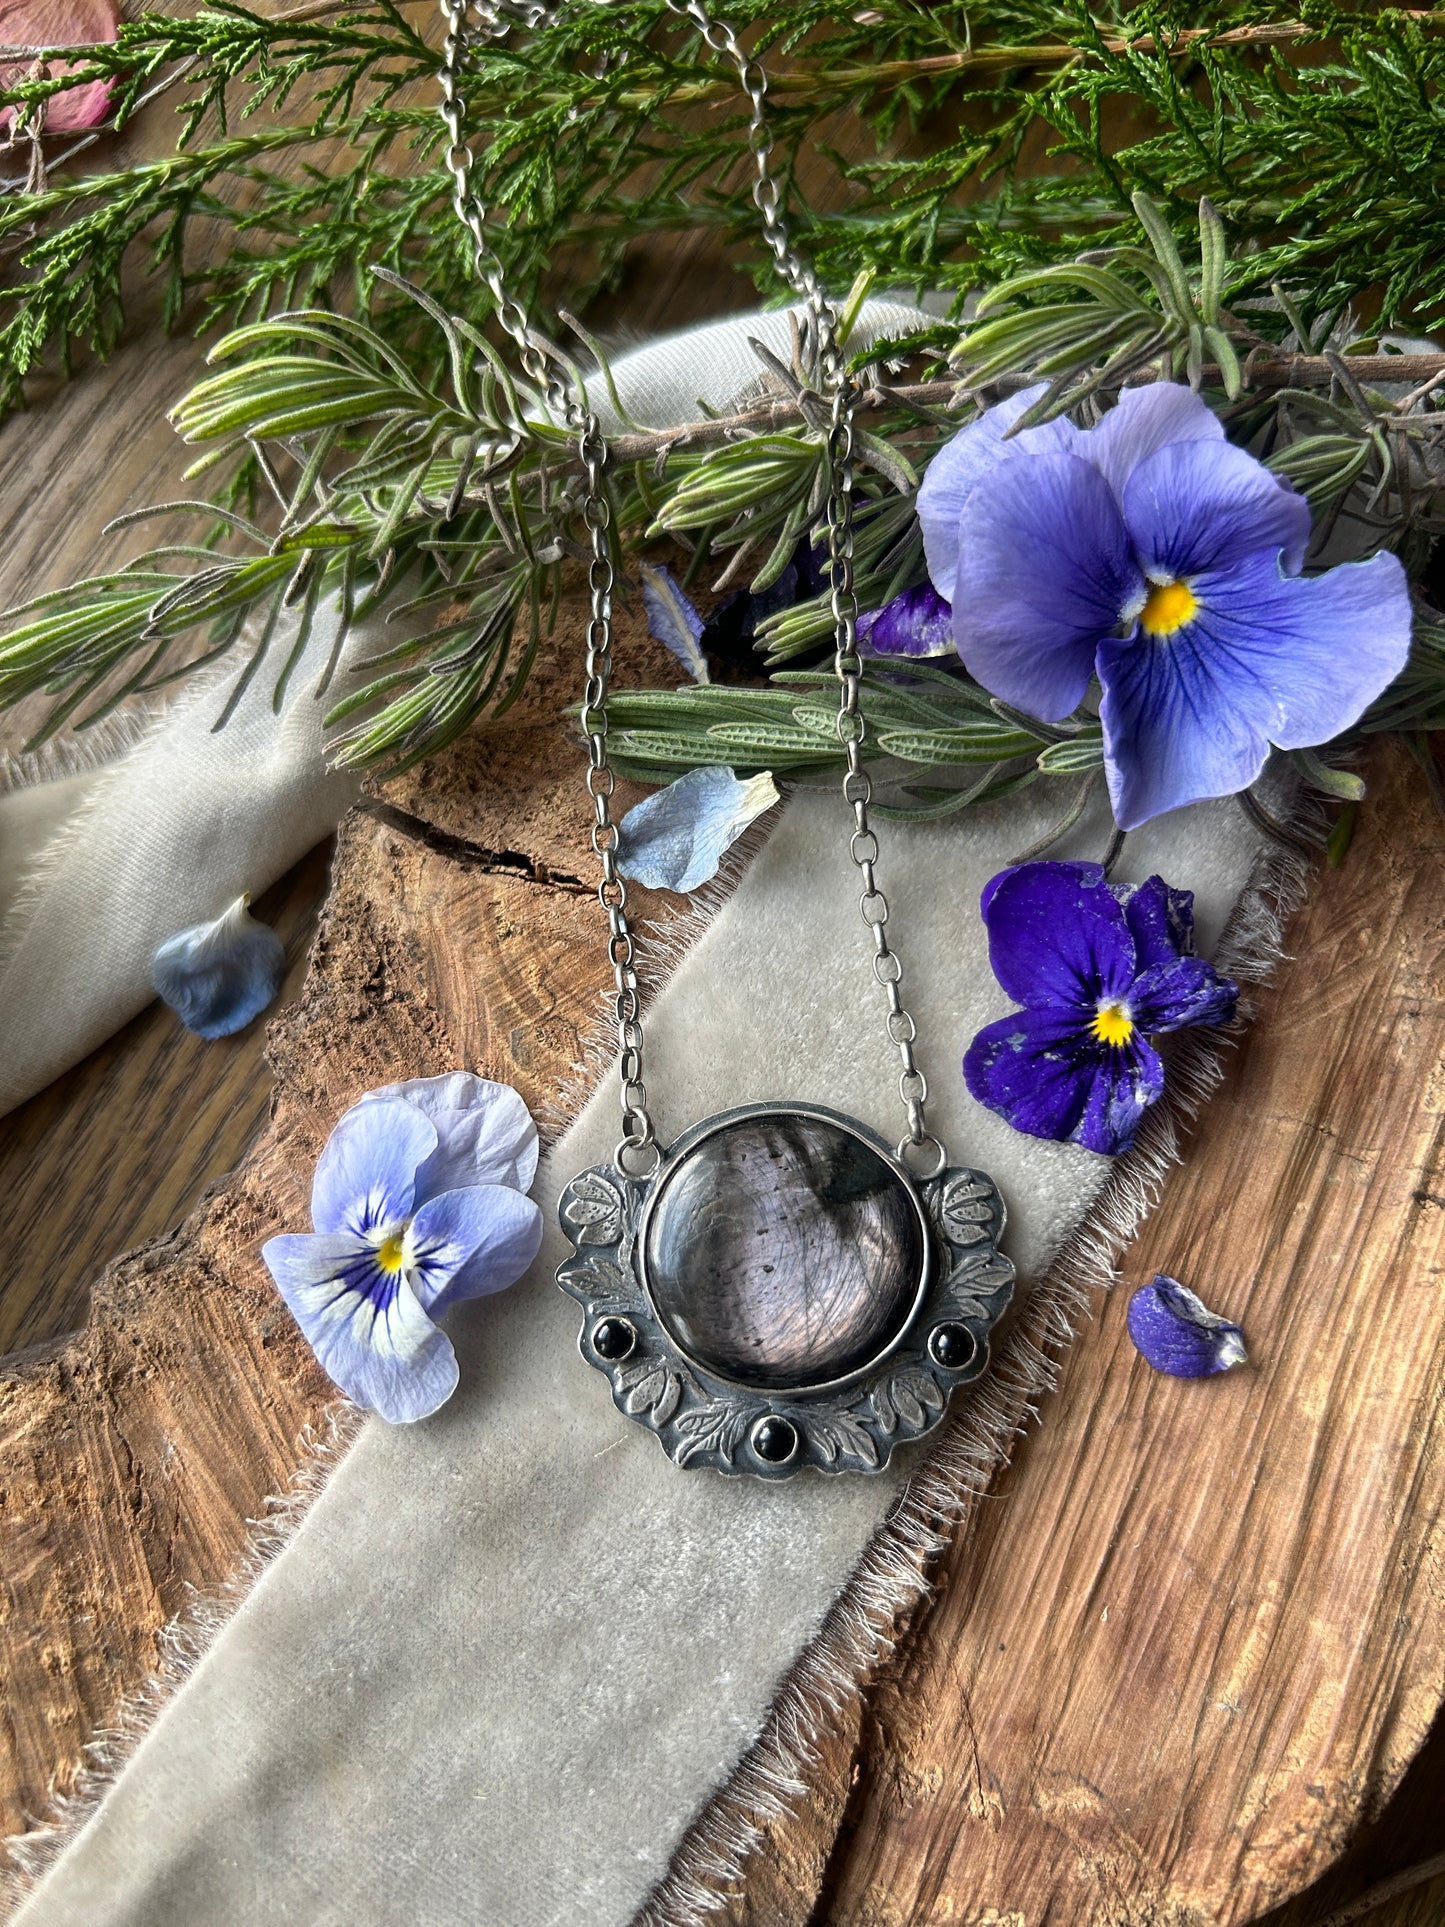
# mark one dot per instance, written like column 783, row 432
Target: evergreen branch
column 418, row 486
column 588, row 133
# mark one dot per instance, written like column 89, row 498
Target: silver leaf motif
column 710, row 1428
column 606, row 1282
column 911, row 1395
column 593, row 1207
column 837, row 1432
column 966, row 1210
column 651, row 1386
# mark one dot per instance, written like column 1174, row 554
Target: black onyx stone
column 775, row 1441
column 613, row 1338
column 953, row 1346
column 783, row 1252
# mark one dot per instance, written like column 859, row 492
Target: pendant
column 781, row 1292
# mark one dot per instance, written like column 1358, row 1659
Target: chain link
column 922, row 1151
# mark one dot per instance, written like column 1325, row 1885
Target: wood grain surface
column 1177, row 1662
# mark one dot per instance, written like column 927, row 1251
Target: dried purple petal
column 917, row 623
column 58, row 23
column 1175, row 1332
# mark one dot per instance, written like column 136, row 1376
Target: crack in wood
column 471, row 856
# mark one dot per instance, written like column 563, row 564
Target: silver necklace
column 776, row 1288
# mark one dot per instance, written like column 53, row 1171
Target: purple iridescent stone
column 783, row 1252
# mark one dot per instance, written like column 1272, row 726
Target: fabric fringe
column 893, row 1579
column 76, row 753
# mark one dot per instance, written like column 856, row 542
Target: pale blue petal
column 1327, row 645
column 1199, row 507
column 1044, row 575
column 217, row 976
column 676, row 839
column 366, row 1176
column 1142, row 421
column 464, row 1244
column 1180, row 723
column 370, row 1335
column 672, row 619
column 485, row 1133
column 961, row 464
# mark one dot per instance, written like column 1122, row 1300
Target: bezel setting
column 848, row 1424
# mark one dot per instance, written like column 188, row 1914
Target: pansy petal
column 1127, row 1080
column 916, row 623
column 673, row 620
column 1175, row 1331
column 1039, row 1071
column 1325, row 645
column 1057, row 936
column 1161, row 921
column 961, row 464
column 1044, row 573
column 676, row 838
column 1195, row 508
column 369, row 1333
column 1033, row 1070
column 366, row 1176
column 1184, row 991
column 1182, row 721
column 1270, row 658
column 1142, row 421
column 463, row 1244
column 217, row 976
column 484, row 1131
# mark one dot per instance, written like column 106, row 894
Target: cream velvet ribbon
column 511, row 1650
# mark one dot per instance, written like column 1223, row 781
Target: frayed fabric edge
column 893, row 1579
column 25, row 1858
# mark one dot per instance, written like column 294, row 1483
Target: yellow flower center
column 1113, row 1024
column 1168, row 607
column 390, row 1251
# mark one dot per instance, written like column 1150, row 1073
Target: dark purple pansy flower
column 1150, row 552
column 1176, row 1332
column 1099, row 969
column 917, row 623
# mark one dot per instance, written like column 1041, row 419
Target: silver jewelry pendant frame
column 702, row 1417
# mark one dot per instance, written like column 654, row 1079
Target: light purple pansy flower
column 1176, row 1332
column 1098, row 969
column 1152, row 553
column 418, row 1203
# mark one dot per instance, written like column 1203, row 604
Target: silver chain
column 546, row 369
